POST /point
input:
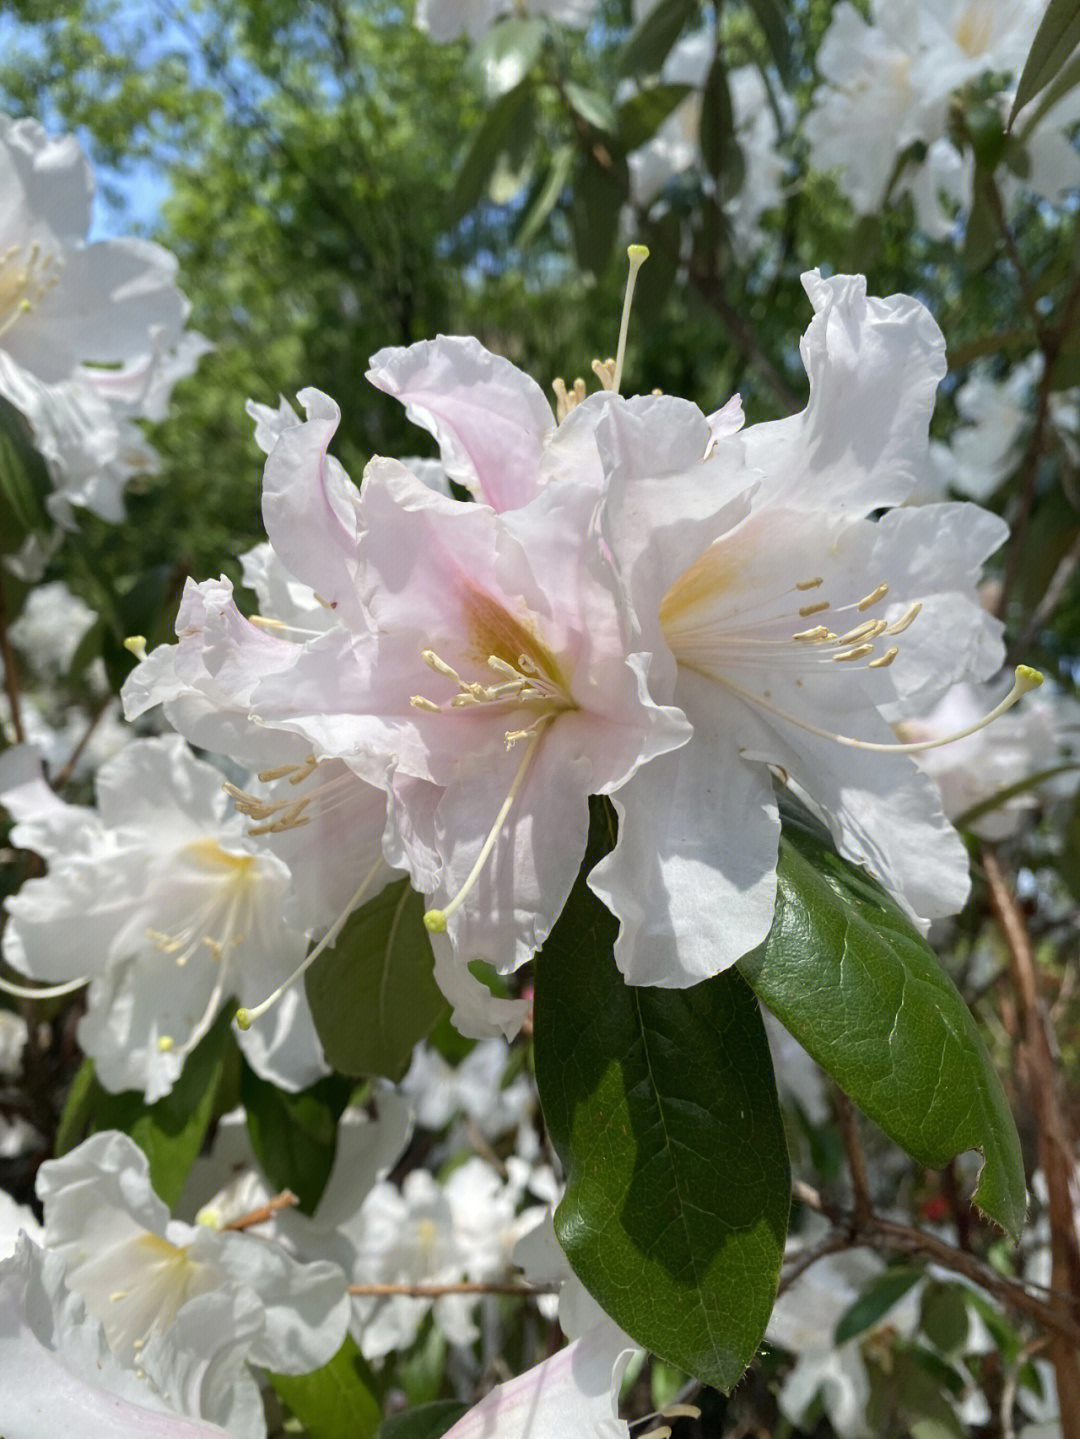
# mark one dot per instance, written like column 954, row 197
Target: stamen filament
column 52, row 991
column 245, row 1018
column 637, row 255
column 1026, row 679
column 435, row 919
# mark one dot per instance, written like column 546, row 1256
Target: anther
column 856, row 654
column 814, row 636
column 428, row 706
column 810, row 584
column 165, row 1043
column 906, row 621
column 807, row 610
column 883, row 661
column 868, row 630
column 873, row 597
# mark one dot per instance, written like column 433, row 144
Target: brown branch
column 1027, row 289
column 285, row 1200
column 856, row 1158
column 1055, row 1149
column 11, row 670
column 878, row 1233
column 68, row 769
column 437, row 1291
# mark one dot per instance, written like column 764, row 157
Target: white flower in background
column 50, row 627
column 676, row 147
column 887, row 83
column 804, row 1323
column 1016, row 747
column 228, row 1184
column 798, row 1079
column 447, row 19
column 69, row 308
column 13, row 1035
column 439, row 1091
column 995, row 415
column 787, row 625
column 16, row 1219
column 60, row 1375
column 161, row 899
column 143, row 1274
column 427, row 1233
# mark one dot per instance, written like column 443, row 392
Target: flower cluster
column 639, row 601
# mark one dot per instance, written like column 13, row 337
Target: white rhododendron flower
column 481, row 669
column 144, row 1275
column 887, row 83
column 785, row 628
column 440, row 1092
column 50, row 627
column 91, row 332
column 995, row 414
column 60, row 1375
column 160, row 898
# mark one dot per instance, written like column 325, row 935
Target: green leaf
column 78, row 1112
column 662, row 1107
column 591, row 106
column 648, row 45
column 336, row 1401
column 499, row 132
column 506, row 53
column 719, row 148
column 943, row 1317
column 638, row 118
column 373, row 995
column 1056, row 38
column 171, row 1132
column 429, row 1421
column 595, row 216
column 1065, row 80
column 545, row 193
column 860, row 989
column 295, row 1135
column 875, row 1302
column 24, row 479
column 771, row 16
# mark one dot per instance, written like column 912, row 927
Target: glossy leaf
column 860, row 989
column 336, row 1401
column 1056, row 38
column 294, row 1135
column 663, row 1109
column 640, row 116
column 772, row 17
column 373, row 995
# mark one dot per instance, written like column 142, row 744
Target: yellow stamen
column 136, row 645
column 810, row 584
column 906, row 621
column 873, row 598
column 637, row 255
column 816, row 609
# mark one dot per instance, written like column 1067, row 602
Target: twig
column 1055, row 1150
column 285, row 1200
column 1027, row 289
column 68, row 769
column 878, row 1233
column 11, row 671
column 1044, row 611
column 832, row 1244
column 856, row 1158
column 437, row 1291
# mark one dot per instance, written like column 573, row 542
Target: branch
column 878, row 1233
column 285, row 1200
column 856, row 1158
column 1055, row 1150
column 11, row 670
